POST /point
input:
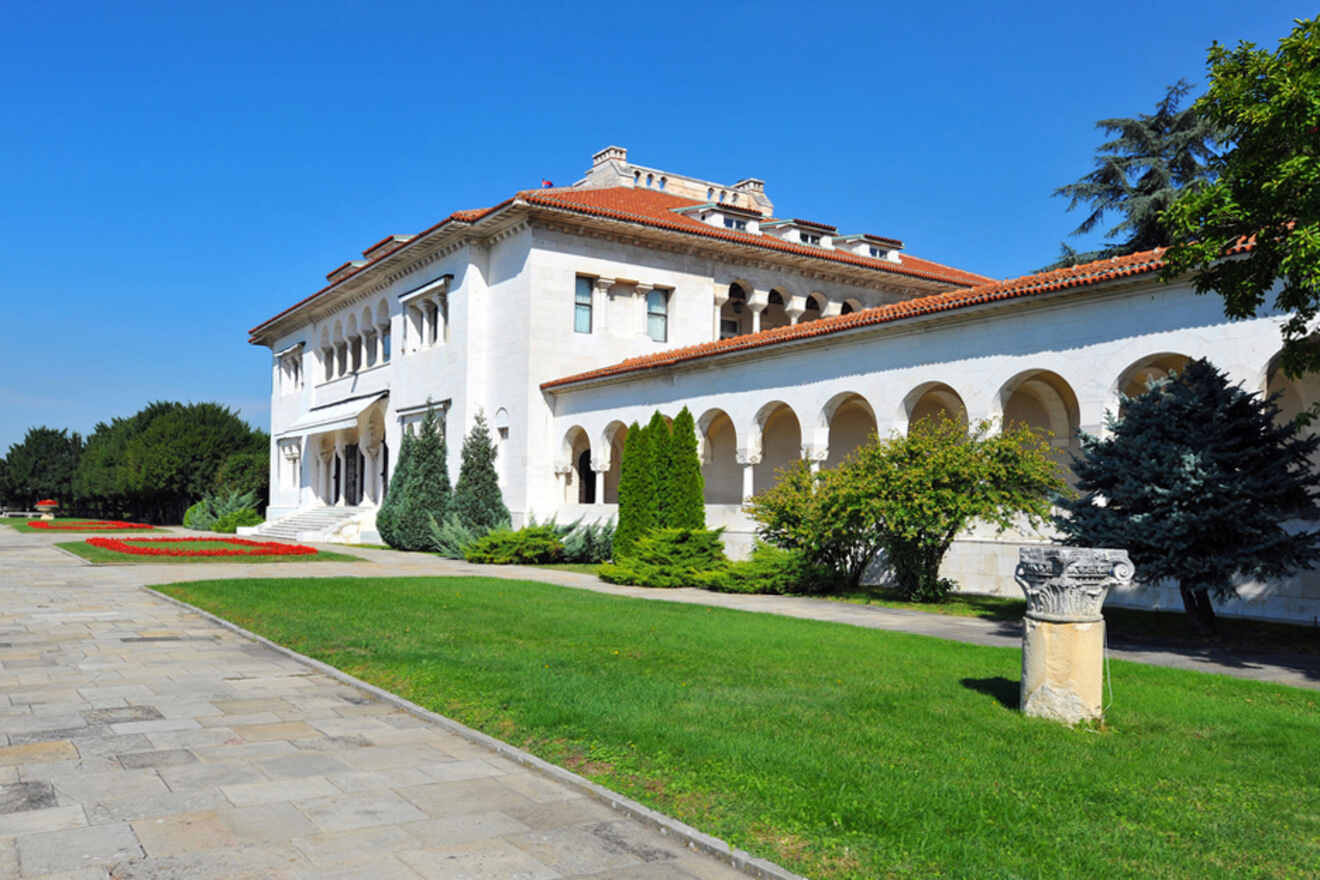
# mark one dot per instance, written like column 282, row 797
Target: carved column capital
column 815, row 453
column 748, row 456
column 603, row 284
column 1068, row 584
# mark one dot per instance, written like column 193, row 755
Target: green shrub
column 772, row 570
column 230, row 522
column 680, row 485
column 451, row 537
column 638, row 504
column 213, row 506
column 589, row 542
column 198, row 516
column 246, row 471
column 419, row 494
column 669, row 558
column 532, row 545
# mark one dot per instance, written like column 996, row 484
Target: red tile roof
column 655, row 209
column 1085, row 275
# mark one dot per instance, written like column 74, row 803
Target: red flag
column 546, row 184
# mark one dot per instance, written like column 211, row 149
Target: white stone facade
column 480, row 312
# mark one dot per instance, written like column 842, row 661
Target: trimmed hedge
column 669, row 558
column 533, row 545
column 229, row 523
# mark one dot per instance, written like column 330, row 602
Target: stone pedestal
column 1063, row 637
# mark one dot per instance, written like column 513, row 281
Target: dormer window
column 735, row 223
column 810, row 238
column 877, row 253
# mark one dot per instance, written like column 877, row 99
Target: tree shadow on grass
column 1006, row 691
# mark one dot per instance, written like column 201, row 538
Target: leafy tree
column 477, row 500
column 1139, row 173
column 42, row 466
column 5, row 491
column 426, row 495
column 1267, row 189
column 684, row 489
column 910, row 495
column 804, row 512
column 659, row 436
column 102, row 482
column 638, row 504
column 387, row 518
column 1196, row 481
column 247, row 471
column 174, row 459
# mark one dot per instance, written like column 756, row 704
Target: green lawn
column 101, row 556
column 1124, row 624
column 837, row 751
column 20, row 523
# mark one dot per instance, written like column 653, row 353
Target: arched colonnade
column 743, row 451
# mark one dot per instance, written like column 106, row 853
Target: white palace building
column 564, row 314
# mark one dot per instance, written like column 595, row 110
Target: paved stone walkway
column 139, row 741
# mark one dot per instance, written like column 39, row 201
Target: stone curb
column 666, row 825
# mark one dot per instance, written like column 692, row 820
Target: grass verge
column 21, row 524
column 840, row 752
column 101, row 556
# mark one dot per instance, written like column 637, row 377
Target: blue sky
column 172, row 174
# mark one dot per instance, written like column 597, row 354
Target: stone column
column 720, row 298
column 601, row 304
column 757, row 302
column 564, row 469
column 600, row 470
column 642, row 319
column 749, row 460
column 795, row 307
column 1063, row 635
column 343, row 472
column 815, row 456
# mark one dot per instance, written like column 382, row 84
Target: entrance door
column 352, row 493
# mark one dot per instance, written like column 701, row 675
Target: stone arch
column 848, row 421
column 368, row 330
column 1134, row 380
column 1045, row 402
column 780, row 443
column 814, row 308
column 718, row 448
column 580, row 485
column 1296, row 396
column 611, row 441
column 735, row 316
column 850, row 305
column 776, row 313
column 933, row 400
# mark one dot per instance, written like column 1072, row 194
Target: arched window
column 650, row 180
column 637, row 178
column 710, row 193
column 662, row 183
column 657, row 315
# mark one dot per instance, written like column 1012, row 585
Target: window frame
column 584, row 284
column 664, row 296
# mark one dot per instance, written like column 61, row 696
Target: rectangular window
column 385, row 345
column 809, row 238
column 657, row 315
column 582, row 305
column 734, row 223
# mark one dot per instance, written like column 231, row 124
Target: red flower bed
column 235, row 547
column 94, row 525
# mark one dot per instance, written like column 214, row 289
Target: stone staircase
column 316, row 524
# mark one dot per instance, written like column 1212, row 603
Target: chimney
column 616, row 154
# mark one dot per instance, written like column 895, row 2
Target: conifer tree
column 1140, row 173
column 477, row 501
column 1196, row 481
column 658, row 436
column 685, row 488
column 387, row 518
column 427, row 493
column 637, row 507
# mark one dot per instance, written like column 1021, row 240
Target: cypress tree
column 477, row 500
column 636, row 492
column 387, row 518
column 427, row 492
column 1196, row 481
column 657, row 435
column 685, row 488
